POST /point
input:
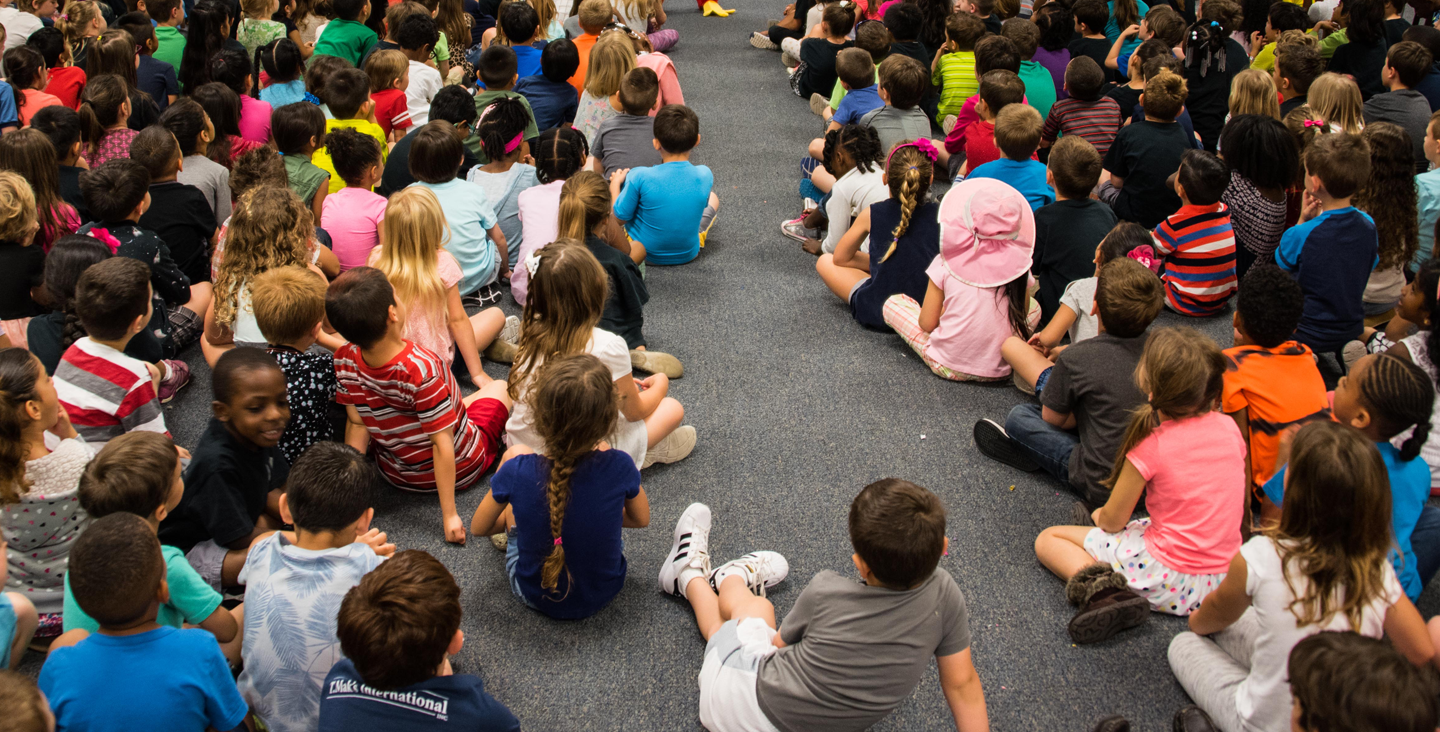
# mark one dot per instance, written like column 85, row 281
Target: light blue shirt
column 662, row 206
column 504, row 190
column 279, row 95
column 1025, row 176
column 1428, row 187
column 469, row 214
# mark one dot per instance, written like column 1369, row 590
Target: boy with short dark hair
column 426, row 437
column 179, row 214
column 112, row 680
column 872, row 38
column 1197, row 242
column 1017, row 135
column 1090, row 19
column 904, row 28
column 593, row 15
column 65, row 81
column 1039, row 84
column 521, row 24
column 416, row 38
column 347, row 94
column 346, row 36
column 953, row 68
column 1146, row 153
column 903, row 83
column 904, row 611
column 552, row 100
column 497, row 74
column 1279, row 19
column 1087, row 396
column 295, row 579
column 1346, row 682
column 62, row 126
column 1333, row 249
column 397, row 630
column 1406, row 64
column 167, row 15
column 992, row 53
column 627, row 140
column 668, row 208
column 1296, row 67
column 1085, row 112
column 289, row 304
column 999, row 90
column 1068, row 230
column 451, row 104
column 152, row 75
column 857, row 77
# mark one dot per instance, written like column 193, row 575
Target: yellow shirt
column 1265, row 60
column 321, row 158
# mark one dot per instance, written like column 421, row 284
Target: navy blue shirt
column 1430, row 86
column 553, row 102
column 594, row 553
column 904, row 271
column 452, row 702
column 156, row 78
column 1331, row 256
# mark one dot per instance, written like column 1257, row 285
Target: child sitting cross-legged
column 397, row 630
column 857, row 78
column 973, row 301
column 1085, row 401
column 902, row 231
column 874, row 39
column 1017, row 134
column 233, row 486
column 851, row 175
column 560, row 153
column 505, row 177
column 1324, row 567
column 346, row 36
column 761, row 675
column 427, row 438
column 389, row 74
column 953, row 68
column 354, row 216
column 1068, row 231
column 1085, row 112
column 627, row 140
column 295, row 579
column 819, row 51
column 668, row 208
column 902, row 87
column 299, row 131
column 179, row 214
column 110, row 680
column 139, row 473
column 1146, row 152
column 552, row 99
column 193, row 130
column 1197, row 242
column 992, row 53
column 582, row 490
column 1188, row 461
column 290, row 312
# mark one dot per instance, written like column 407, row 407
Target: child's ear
column 285, row 509
column 361, row 526
column 457, row 642
column 1049, row 177
column 1361, row 420
column 163, row 595
column 367, row 108
column 221, row 410
column 655, row 142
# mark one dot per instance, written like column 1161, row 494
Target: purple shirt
column 1055, row 62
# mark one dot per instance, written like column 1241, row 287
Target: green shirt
column 483, row 100
column 346, row 39
column 170, row 45
column 191, row 599
column 955, row 75
column 1039, row 87
column 305, row 177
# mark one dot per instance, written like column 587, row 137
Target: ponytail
column 100, row 107
column 281, row 61
column 909, row 174
column 1018, row 311
column 23, row 66
column 1127, row 13
column 584, row 204
column 19, row 373
column 500, row 124
column 1205, row 47
column 559, row 153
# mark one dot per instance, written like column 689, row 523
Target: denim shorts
column 1042, row 380
column 512, row 561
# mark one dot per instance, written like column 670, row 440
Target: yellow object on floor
column 713, row 8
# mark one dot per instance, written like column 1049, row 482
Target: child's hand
column 1310, row 207
column 375, row 538
column 182, row 452
column 63, row 429
column 528, row 159
column 1130, row 31
column 1257, row 42
column 948, row 47
column 454, row 530
column 1327, row 26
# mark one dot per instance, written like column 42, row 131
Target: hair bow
column 924, row 145
column 105, row 237
column 532, row 263
column 1312, row 123
column 1145, row 254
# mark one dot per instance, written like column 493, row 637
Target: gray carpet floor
column 797, row 408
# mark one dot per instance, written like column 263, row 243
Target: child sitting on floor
column 476, row 241
column 1197, row 242
column 559, row 154
column 973, row 302
column 179, row 214
column 1188, row 461
column 104, row 112
column 426, row 437
column 857, row 78
column 1017, row 134
column 505, row 177
column 999, row 89
column 389, row 78
column 354, row 216
column 347, row 97
column 1068, row 231
column 1325, row 567
column 1146, row 153
column 294, row 580
column 670, row 207
column 905, row 610
column 992, row 53
column 299, row 130
column 290, row 312
column 819, row 52
column 627, row 140
column 582, row 478
column 953, row 69
column 233, row 485
column 397, row 630
column 902, row 87
column 1085, row 112
column 117, row 575
column 193, row 130
column 852, row 176
column 552, row 100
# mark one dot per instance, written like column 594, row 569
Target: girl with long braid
column 559, row 515
column 903, row 233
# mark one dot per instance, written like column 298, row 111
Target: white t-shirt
column 1080, row 297
column 1263, row 699
column 630, row 437
column 18, row 26
column 1430, row 451
column 425, row 82
column 851, row 194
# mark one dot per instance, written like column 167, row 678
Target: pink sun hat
column 987, row 233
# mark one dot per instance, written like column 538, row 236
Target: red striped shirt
column 1097, row 122
column 1199, row 249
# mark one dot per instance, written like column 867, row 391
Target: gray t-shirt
column 625, row 141
column 1079, row 296
column 895, row 126
column 213, row 180
column 1095, row 381
column 856, row 652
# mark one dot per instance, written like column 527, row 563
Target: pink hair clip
column 924, row 145
column 1145, row 254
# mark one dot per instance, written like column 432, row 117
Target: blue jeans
column 1048, row 445
column 1425, row 542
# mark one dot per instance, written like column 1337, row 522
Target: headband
column 924, row 145
column 514, row 142
column 1145, row 255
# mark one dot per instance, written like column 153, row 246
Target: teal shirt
column 345, row 39
column 191, row 599
column 170, row 45
column 1039, row 87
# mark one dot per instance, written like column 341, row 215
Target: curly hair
column 859, row 141
column 505, row 118
column 1388, row 195
column 271, row 227
column 933, row 14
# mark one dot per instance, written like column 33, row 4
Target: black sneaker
column 991, row 439
column 1193, row 719
column 484, row 297
column 1113, row 723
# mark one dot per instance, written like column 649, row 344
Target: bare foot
column 811, row 246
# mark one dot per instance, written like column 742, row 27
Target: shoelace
column 752, row 565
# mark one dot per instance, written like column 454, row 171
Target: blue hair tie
column 1213, row 23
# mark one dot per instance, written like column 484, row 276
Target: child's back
column 953, row 69
column 1017, row 134
column 1068, row 230
column 666, row 206
column 1146, row 152
column 344, row 36
column 627, row 140
column 1198, row 242
column 552, row 99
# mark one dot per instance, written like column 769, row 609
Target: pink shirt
column 974, row 321
column 669, row 82
column 539, row 225
column 432, row 329
column 352, row 218
column 36, row 100
column 1194, row 470
column 254, row 119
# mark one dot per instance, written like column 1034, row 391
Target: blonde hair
column 1253, row 92
column 17, row 207
column 909, row 175
column 270, row 228
column 256, row 9
column 1335, row 100
column 288, row 302
column 385, row 69
column 76, row 19
column 567, row 297
column 415, row 230
column 546, row 11
column 584, row 203
column 611, row 58
column 635, row 10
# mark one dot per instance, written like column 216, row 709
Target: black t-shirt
column 21, row 268
column 1208, row 100
column 1066, row 234
column 348, row 703
column 397, row 165
column 181, row 216
column 1395, row 30
column 992, row 23
column 1096, row 48
column 1364, row 62
column 225, row 490
column 818, row 56
column 70, row 190
column 913, row 49
column 143, row 111
column 624, row 314
column 1127, row 98
column 1144, row 155
column 46, row 336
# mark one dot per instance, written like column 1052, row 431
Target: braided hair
column 1427, row 281
column 575, row 406
column 505, row 118
column 909, row 174
column 559, row 153
column 1205, row 47
column 859, row 141
column 19, row 373
column 67, row 260
column 1399, row 395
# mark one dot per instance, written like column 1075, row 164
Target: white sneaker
column 760, row 570
column 690, row 553
column 675, row 447
column 505, row 345
column 761, row 39
column 949, row 123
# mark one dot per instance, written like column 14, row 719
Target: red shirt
column 980, row 144
column 402, row 403
column 390, row 110
column 66, row 82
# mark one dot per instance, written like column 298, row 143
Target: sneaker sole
column 670, row 584
column 818, row 104
column 762, row 43
column 1099, row 625
column 996, row 445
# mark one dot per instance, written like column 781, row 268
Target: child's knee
column 817, row 149
column 498, row 390
column 672, row 405
column 25, row 613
